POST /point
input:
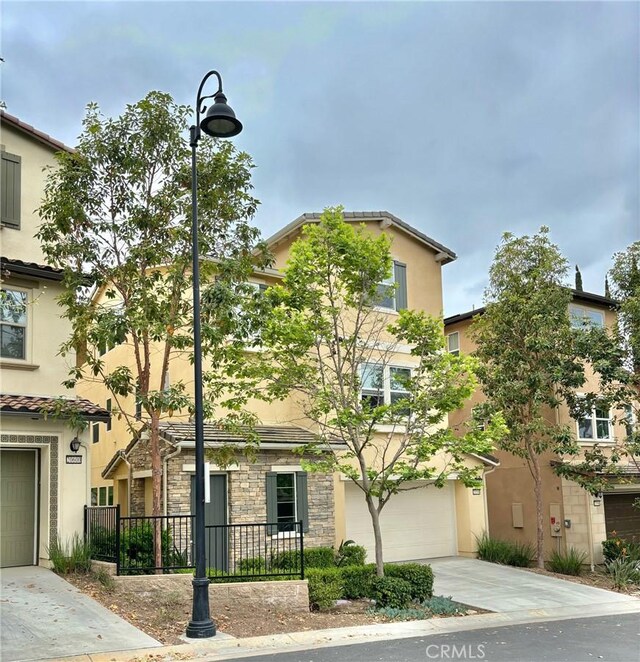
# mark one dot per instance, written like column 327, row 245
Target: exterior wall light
column 75, row 445
column 476, row 491
column 597, row 499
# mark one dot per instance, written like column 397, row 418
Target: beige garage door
column 416, row 524
column 17, row 507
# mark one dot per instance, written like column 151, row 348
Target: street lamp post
column 219, row 122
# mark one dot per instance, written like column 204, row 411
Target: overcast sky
column 464, row 119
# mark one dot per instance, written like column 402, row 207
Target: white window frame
column 594, row 426
column 105, row 495
column 581, row 317
column 456, row 350
column 391, row 284
column 386, row 390
column 26, row 326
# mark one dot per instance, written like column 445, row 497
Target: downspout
column 486, row 505
column 590, row 531
column 165, row 462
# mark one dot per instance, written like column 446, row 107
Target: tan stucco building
column 45, row 484
column 574, row 517
column 419, row 523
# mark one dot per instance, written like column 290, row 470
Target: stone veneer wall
column 247, row 497
column 579, row 508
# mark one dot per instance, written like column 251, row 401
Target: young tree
column 531, row 361
column 115, row 214
column 579, row 287
column 329, row 343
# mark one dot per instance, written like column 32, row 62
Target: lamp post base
column 201, row 626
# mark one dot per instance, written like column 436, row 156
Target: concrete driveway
column 502, row 588
column 45, row 617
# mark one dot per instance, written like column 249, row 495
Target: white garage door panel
column 416, row 524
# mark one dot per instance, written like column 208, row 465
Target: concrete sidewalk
column 476, row 583
column 45, row 617
column 500, row 588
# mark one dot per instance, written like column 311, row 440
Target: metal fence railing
column 101, row 532
column 234, row 552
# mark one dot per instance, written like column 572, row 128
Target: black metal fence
column 101, row 531
column 234, row 552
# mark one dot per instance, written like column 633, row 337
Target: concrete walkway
column 502, row 589
column 45, row 617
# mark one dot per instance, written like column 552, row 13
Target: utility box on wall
column 517, row 515
column 555, row 520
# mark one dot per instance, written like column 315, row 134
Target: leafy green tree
column 330, row 344
column 115, row 216
column 625, row 288
column 532, row 362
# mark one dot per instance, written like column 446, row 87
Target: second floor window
column 383, row 385
column 13, row 329
column 596, row 426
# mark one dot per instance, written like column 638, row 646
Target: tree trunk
column 537, row 489
column 156, row 478
column 377, row 534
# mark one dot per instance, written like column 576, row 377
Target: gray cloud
column 464, row 119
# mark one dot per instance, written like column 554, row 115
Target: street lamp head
column 220, row 120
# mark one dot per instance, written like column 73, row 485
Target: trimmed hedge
column 357, row 580
column 314, row 557
column 350, row 554
column 325, row 587
column 391, row 592
column 418, row 576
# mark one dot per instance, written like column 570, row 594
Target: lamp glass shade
column 220, row 120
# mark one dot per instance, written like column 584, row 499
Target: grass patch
column 504, row 552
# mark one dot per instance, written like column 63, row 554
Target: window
column 95, row 433
column 582, row 317
column 596, row 425
column 453, row 343
column 103, row 496
column 629, row 420
column 109, row 410
column 10, row 167
column 383, row 385
column 287, row 501
column 13, row 324
column 392, row 292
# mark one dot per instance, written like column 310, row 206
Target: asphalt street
column 608, row 638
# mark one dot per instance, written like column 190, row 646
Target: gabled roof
column 9, row 266
column 577, row 295
column 34, row 133
column 37, row 405
column 447, row 255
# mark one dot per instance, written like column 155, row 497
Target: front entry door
column 215, row 514
column 17, row 507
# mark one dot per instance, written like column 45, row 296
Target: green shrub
column 438, row 604
column 357, row 581
column 520, row 554
column 105, row 579
column 74, row 555
column 350, row 554
column 567, row 563
column 325, row 587
column 314, row 557
column 615, row 547
column 623, row 571
column 492, row 549
column 418, row 576
column 136, row 550
column 504, row 551
column 391, row 592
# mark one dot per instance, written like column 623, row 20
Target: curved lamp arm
column 200, row 98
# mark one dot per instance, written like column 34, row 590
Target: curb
column 229, row 648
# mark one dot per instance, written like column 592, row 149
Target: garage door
column 17, row 507
column 621, row 516
column 416, row 524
